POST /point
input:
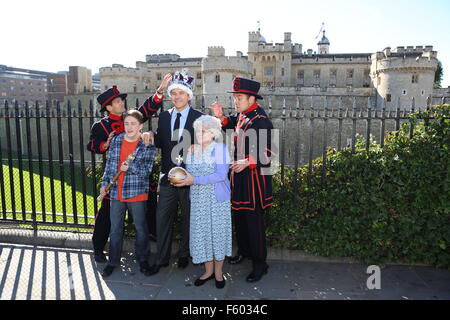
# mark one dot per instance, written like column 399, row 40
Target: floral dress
column 210, row 225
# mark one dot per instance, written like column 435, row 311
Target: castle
column 389, row 78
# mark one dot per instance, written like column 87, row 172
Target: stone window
column 199, row 75
column 415, row 78
column 404, row 92
column 388, row 97
column 282, row 72
column 159, row 76
column 316, row 74
column 217, row 78
column 301, row 75
column 268, row 71
column 350, row 74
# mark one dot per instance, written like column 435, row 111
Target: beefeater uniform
column 251, row 189
column 99, row 135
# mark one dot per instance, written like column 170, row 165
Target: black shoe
column 237, row 259
column 100, row 257
column 107, row 271
column 144, row 266
column 183, row 262
column 154, row 269
column 152, row 237
column 253, row 277
column 200, row 282
column 220, row 284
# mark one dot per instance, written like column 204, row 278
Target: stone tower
column 272, row 63
column 218, row 72
column 399, row 75
column 323, row 45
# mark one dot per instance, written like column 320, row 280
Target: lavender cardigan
column 220, row 177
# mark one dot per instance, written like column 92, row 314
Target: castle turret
column 324, row 45
column 400, row 74
column 218, row 72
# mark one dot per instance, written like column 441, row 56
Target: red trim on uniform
column 115, row 116
column 251, row 108
column 145, row 110
column 252, row 162
column 245, row 91
column 157, row 99
column 224, row 121
column 101, row 146
column 104, row 128
column 110, row 98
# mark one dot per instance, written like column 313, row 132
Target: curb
column 77, row 240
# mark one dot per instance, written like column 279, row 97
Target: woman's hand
column 189, row 180
column 239, row 165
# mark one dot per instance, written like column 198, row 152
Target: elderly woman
column 207, row 164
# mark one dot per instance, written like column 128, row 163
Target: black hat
column 246, row 86
column 109, row 95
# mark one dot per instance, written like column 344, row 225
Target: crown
column 181, row 77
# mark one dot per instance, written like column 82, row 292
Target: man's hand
column 103, row 192
column 110, row 137
column 217, row 110
column 189, row 180
column 239, row 165
column 148, row 138
column 164, row 83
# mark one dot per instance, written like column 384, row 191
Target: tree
column 438, row 75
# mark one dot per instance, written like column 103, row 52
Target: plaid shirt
column 137, row 177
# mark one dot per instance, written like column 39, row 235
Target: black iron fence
column 49, row 179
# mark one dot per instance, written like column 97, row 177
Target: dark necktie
column 176, row 127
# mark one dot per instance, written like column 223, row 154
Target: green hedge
column 378, row 206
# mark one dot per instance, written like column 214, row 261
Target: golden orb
column 177, row 174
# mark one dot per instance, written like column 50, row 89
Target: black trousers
column 102, row 226
column 170, row 199
column 103, row 223
column 251, row 236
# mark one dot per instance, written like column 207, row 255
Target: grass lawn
column 82, row 208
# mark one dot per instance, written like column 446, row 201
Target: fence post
column 2, row 183
column 283, row 133
column 72, row 163
column 354, row 125
column 61, row 161
column 30, row 164
column 340, row 124
column 311, row 135
column 369, row 123
column 411, row 126
column 19, row 137
column 50, row 159
column 82, row 164
column 383, row 123
column 325, row 138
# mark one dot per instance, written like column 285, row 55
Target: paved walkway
column 47, row 273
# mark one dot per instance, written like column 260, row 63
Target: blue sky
column 50, row 35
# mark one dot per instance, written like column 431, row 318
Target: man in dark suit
column 174, row 135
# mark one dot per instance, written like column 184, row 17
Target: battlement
column 218, row 51
column 167, row 57
column 409, row 49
